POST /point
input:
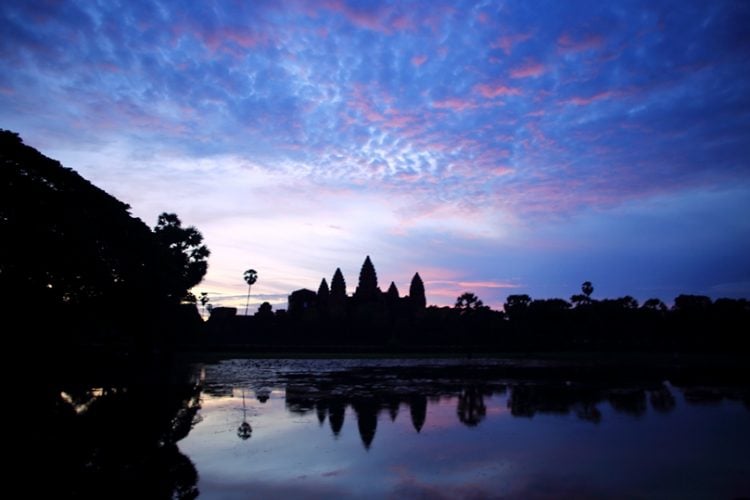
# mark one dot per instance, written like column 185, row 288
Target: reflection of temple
column 524, row 400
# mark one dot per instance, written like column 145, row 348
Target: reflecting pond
column 465, row 428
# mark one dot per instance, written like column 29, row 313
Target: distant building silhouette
column 337, row 297
column 323, row 295
column 416, row 293
column 367, row 289
column 301, row 300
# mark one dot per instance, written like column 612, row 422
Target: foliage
column 184, row 253
column 467, row 302
column 75, row 251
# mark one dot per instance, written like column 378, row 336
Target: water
column 445, row 429
column 395, row 429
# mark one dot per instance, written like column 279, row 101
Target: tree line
column 371, row 319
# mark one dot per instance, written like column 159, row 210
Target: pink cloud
column 488, row 284
column 380, row 19
column 403, row 23
column 419, row 60
column 584, row 101
column 529, row 69
column 501, row 170
column 567, row 44
column 507, row 42
column 491, row 91
column 455, row 104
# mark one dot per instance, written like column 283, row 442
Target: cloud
column 491, row 91
column 567, row 43
column 528, row 69
column 419, row 60
column 508, row 42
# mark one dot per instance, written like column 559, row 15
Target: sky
column 497, row 147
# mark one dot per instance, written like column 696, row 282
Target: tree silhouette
column 250, row 276
column 77, row 253
column 516, row 305
column 244, row 431
column 467, row 302
column 184, row 251
column 654, row 305
column 471, row 409
column 416, row 293
column 587, row 288
column 204, row 300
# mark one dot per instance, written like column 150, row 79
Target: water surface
column 465, row 429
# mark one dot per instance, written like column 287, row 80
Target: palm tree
column 251, row 276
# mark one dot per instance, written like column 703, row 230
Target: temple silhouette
column 336, row 301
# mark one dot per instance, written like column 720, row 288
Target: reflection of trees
column 661, row 399
column 471, row 409
column 244, row 431
column 119, row 440
column 630, row 401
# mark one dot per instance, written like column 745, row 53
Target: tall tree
column 185, row 253
column 516, row 305
column 367, row 289
column 204, row 300
column 467, row 302
column 416, row 292
column 250, row 276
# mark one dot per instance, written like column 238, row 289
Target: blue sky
column 496, row 147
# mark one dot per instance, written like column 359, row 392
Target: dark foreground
column 440, row 428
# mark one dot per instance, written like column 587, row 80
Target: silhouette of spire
column 336, row 411
column 368, row 282
column 416, row 292
column 337, row 298
column 367, row 420
column 321, row 408
column 418, row 410
column 323, row 294
column 392, row 292
column 338, row 286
